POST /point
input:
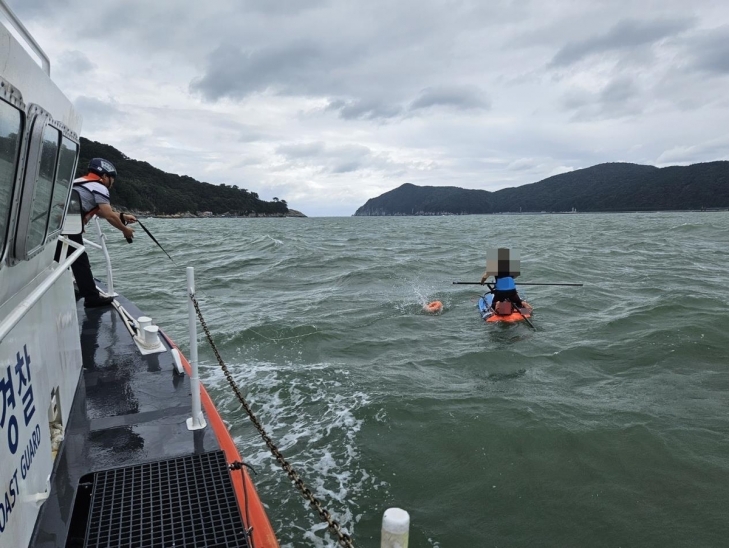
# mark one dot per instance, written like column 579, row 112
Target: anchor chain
column 344, row 539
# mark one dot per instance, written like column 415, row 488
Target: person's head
column 502, row 262
column 104, row 169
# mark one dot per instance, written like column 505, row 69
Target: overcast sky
column 326, row 103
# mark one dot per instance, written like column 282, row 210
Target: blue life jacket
column 505, row 283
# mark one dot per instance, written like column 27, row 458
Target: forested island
column 143, row 188
column 610, row 187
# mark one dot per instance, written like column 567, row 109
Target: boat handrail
column 197, row 420
column 25, row 35
column 34, row 296
column 102, row 246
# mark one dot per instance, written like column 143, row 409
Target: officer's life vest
column 91, row 182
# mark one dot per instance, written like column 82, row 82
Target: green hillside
column 142, row 187
column 604, row 187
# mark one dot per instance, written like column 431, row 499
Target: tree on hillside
column 145, row 188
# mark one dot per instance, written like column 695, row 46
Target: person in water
column 505, row 291
column 504, row 268
column 93, row 189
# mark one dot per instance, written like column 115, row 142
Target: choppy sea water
column 607, row 426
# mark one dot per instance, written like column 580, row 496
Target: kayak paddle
column 523, row 316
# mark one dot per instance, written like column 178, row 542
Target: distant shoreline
column 713, row 210
column 510, row 213
column 186, row 215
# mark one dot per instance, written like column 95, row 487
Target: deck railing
column 197, row 421
column 34, row 296
column 102, row 246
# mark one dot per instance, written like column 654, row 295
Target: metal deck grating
column 182, row 502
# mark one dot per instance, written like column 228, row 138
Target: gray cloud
column 75, row 62
column 619, row 97
column 618, row 91
column 301, row 150
column 456, row 97
column 522, row 164
column 96, row 112
column 715, row 149
column 710, row 51
column 235, row 73
column 358, row 109
column 626, row 34
column 459, row 97
column 29, row 9
column 577, row 99
column 346, row 167
column 336, row 159
column 281, row 7
column 367, row 67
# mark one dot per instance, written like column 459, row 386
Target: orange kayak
column 490, row 315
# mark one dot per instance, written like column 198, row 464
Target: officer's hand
column 128, row 217
column 128, row 233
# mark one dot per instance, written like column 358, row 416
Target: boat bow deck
column 129, row 411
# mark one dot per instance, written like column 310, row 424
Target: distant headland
column 610, row 187
column 211, row 215
column 149, row 191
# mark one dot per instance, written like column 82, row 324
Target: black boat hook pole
column 121, row 215
column 519, row 283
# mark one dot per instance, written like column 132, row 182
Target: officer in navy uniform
column 93, row 189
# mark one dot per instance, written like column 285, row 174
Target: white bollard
column 151, row 339
column 395, row 528
column 143, row 321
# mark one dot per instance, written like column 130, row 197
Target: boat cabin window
column 11, row 125
column 64, row 176
column 50, row 165
column 43, row 189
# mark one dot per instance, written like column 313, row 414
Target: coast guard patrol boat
column 99, row 444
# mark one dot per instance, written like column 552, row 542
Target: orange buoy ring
column 434, row 307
